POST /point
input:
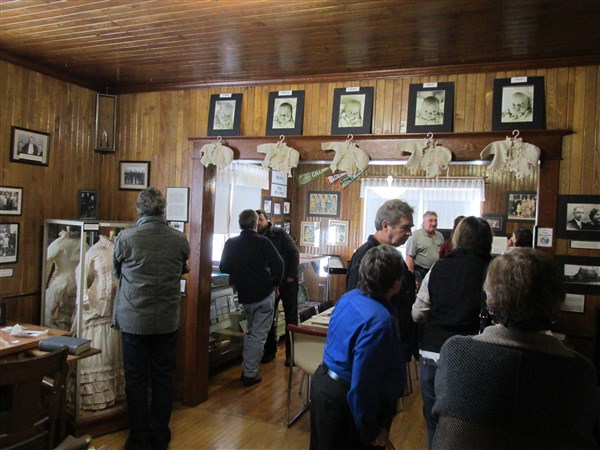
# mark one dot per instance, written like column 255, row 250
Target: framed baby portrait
column 224, row 115
column 519, row 103
column 430, row 108
column 285, row 114
column 352, row 110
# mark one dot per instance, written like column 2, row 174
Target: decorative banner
column 305, row 178
column 345, row 182
column 336, row 176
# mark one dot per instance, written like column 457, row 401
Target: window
column 448, row 198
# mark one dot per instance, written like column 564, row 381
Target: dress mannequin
column 61, row 292
column 102, row 378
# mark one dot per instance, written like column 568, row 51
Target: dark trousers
column 288, row 293
column 149, row 360
column 427, row 381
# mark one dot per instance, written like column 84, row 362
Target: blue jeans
column 260, row 318
column 149, row 360
column 427, row 380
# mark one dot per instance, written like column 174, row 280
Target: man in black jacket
column 255, row 269
column 288, row 289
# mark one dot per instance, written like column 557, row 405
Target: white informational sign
column 574, row 303
column 544, row 237
column 278, row 190
column 6, row 273
column 279, row 178
column 177, row 204
column 498, row 245
column 592, row 245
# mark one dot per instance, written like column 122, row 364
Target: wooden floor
column 236, row 417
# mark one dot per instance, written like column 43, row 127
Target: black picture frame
column 528, row 94
column 287, row 227
column 11, row 201
column 9, row 253
column 516, row 208
column 106, row 123
column 352, row 100
column 277, row 208
column 496, row 222
column 430, row 107
column 134, row 175
column 581, row 274
column 564, row 214
column 323, row 204
column 87, row 199
column 285, row 102
column 224, row 114
column 29, row 146
column 287, row 207
column 267, row 204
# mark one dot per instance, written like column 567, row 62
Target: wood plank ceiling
column 127, row 46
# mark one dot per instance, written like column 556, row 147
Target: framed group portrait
column 11, row 201
column 519, row 103
column 224, row 114
column 9, row 246
column 521, row 206
column 106, row 122
column 285, row 113
column 352, row 110
column 88, row 203
column 323, row 203
column 29, row 146
column 578, row 217
column 430, row 107
column 134, row 175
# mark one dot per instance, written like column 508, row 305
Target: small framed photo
column 29, row 146
column 496, row 222
column 310, row 233
column 521, row 206
column 352, row 110
column 277, row 208
column 179, row 226
column 9, row 242
column 323, row 203
column 106, row 122
column 287, row 227
column 430, row 108
column 337, row 234
column 278, row 225
column 287, row 207
column 134, row 175
column 581, row 274
column 88, row 204
column 11, row 201
column 286, row 113
column 267, row 202
column 177, row 204
column 519, row 103
column 578, row 217
column 224, row 114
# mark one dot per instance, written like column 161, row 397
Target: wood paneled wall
column 155, row 127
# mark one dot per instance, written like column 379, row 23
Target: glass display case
column 78, row 290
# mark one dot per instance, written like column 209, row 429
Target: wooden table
column 319, row 322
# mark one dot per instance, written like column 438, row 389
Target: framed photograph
column 287, row 207
column 581, row 274
column 285, row 114
column 519, row 103
column 177, row 204
column 11, row 201
column 352, row 110
column 106, row 122
column 323, row 203
column 496, row 222
column 430, row 108
column 134, row 175
column 87, row 200
column 179, row 226
column 277, row 208
column 337, row 233
column 278, row 225
column 224, row 114
column 310, row 233
column 9, row 242
column 29, row 146
column 578, row 217
column 287, row 227
column 267, row 205
column 521, row 206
